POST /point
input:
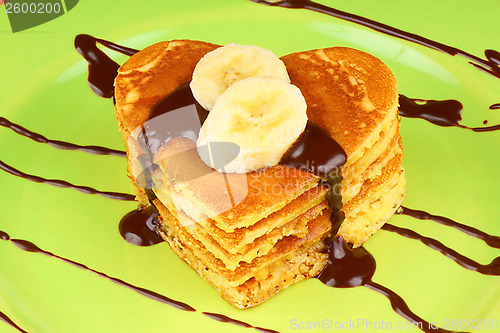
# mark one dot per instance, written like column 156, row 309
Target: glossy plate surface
column 450, row 171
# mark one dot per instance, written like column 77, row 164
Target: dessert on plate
column 212, row 134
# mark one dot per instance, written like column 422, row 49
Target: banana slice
column 224, row 66
column 261, row 115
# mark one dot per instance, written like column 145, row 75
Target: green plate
column 450, row 171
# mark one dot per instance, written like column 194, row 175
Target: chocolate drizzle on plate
column 349, row 267
column 98, row 150
column 4, row 236
column 102, row 69
column 9, row 321
column 495, row 106
column 439, row 112
column 28, row 246
column 226, row 319
column 492, row 268
column 400, row 307
column 491, row 240
column 442, row 113
column 99, row 68
column 490, row 65
column 62, row 183
column 139, row 227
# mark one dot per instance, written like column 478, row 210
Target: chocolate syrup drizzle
column 28, row 246
column 62, row 183
column 316, row 152
column 495, row 106
column 400, row 307
column 226, row 319
column 156, row 133
column 9, row 321
column 492, row 268
column 139, row 227
column 102, row 69
column 490, row 65
column 492, row 241
column 98, row 150
column 442, row 113
column 347, row 267
column 31, row 247
column 98, row 67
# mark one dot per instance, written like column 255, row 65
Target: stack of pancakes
column 251, row 235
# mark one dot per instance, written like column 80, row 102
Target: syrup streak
column 98, row 150
column 226, row 319
column 102, row 69
column 400, row 307
column 491, row 240
column 439, row 112
column 349, row 267
column 490, row 65
column 492, row 268
column 9, row 321
column 28, row 246
column 64, row 184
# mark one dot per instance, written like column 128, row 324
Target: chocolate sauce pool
column 316, row 152
column 347, row 267
column 139, row 227
column 156, row 133
column 102, row 70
